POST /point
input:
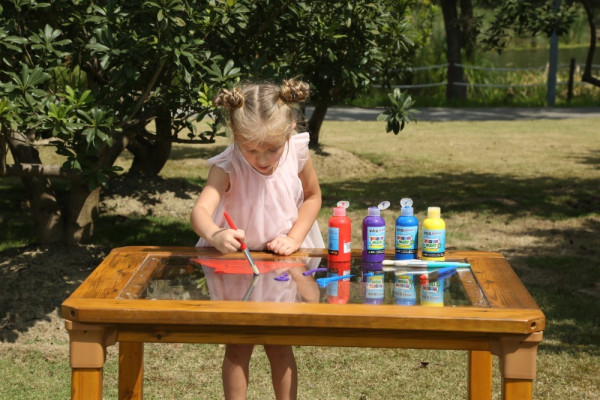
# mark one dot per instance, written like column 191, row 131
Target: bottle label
column 404, row 288
column 347, row 247
column 375, row 239
column 432, row 294
column 332, row 287
column 335, row 288
column 434, row 243
column 374, row 289
column 333, row 242
column 406, row 239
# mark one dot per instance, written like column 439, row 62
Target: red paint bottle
column 338, row 292
column 339, row 235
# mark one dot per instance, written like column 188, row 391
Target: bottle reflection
column 432, row 293
column 372, row 282
column 405, row 292
column 338, row 292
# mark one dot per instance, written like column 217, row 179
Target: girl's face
column 263, row 157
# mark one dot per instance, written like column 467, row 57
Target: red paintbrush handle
column 232, row 225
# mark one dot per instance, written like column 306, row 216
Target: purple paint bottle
column 373, row 234
column 373, row 283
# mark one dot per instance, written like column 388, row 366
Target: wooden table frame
column 511, row 328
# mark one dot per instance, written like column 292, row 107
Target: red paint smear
column 243, row 266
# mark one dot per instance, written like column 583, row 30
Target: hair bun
column 293, row 91
column 229, row 99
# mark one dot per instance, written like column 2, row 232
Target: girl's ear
column 293, row 126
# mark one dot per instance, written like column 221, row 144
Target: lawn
column 527, row 189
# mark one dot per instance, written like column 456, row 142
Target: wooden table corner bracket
column 517, row 355
column 88, row 343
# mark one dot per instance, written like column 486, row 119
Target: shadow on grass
column 35, row 280
column 591, row 159
column 514, row 197
column 112, row 231
column 146, row 189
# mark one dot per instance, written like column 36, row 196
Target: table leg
column 517, row 389
column 480, row 375
column 517, row 355
column 131, row 370
column 87, row 355
column 86, row 383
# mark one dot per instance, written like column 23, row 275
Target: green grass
column 528, row 189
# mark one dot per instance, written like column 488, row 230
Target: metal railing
column 444, row 67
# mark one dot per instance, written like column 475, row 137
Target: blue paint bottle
column 404, row 289
column 407, row 232
column 373, row 234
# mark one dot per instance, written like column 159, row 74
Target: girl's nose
column 261, row 157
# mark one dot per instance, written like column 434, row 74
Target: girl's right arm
column 223, row 239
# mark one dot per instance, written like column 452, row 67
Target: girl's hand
column 283, row 245
column 227, row 240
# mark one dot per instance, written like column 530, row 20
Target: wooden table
column 502, row 320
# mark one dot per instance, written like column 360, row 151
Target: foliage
column 92, row 77
column 101, row 70
column 531, row 18
column 399, row 113
column 339, row 47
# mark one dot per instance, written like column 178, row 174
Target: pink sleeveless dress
column 264, row 206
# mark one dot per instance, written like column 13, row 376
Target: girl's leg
column 283, row 371
column 235, row 370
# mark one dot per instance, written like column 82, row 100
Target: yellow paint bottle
column 434, row 236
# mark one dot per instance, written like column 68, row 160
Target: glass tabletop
column 300, row 279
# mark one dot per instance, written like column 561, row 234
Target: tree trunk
column 315, row 122
column 45, row 209
column 75, row 221
column 587, row 72
column 453, row 51
column 150, row 156
column 82, row 212
column 468, row 32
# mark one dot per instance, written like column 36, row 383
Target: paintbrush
column 243, row 246
column 424, row 264
column 438, row 273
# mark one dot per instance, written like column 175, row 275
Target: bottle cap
column 406, row 210
column 339, row 211
column 343, row 203
column 384, row 205
column 433, row 212
column 373, row 212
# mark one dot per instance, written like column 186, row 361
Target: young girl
column 267, row 183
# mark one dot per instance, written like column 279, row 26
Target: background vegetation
column 525, row 57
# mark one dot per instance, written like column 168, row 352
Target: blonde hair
column 263, row 113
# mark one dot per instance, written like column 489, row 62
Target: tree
column 345, row 48
column 461, row 31
column 534, row 17
column 90, row 78
column 339, row 47
column 590, row 6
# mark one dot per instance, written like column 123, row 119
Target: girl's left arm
column 307, row 213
